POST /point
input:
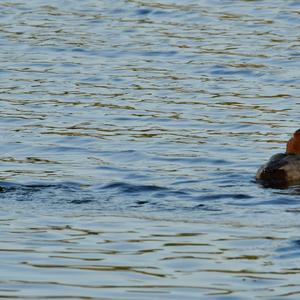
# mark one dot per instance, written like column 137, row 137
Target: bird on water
column 283, row 169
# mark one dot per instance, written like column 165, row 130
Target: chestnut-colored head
column 293, row 145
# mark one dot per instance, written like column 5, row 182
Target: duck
column 282, row 169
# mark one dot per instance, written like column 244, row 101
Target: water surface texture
column 131, row 132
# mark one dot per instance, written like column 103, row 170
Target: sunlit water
column 131, row 132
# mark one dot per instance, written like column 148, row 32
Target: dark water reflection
column 130, row 135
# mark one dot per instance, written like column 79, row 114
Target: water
column 131, row 132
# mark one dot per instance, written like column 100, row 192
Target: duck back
column 280, row 171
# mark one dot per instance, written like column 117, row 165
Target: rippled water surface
column 131, row 132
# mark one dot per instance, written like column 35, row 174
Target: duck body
column 281, row 170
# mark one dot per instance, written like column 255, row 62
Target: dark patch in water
column 225, row 196
column 131, row 188
column 280, row 201
column 141, row 202
column 120, row 195
column 81, row 201
column 143, row 11
column 290, row 251
column 47, row 193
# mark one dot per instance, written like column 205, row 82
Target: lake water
column 131, row 132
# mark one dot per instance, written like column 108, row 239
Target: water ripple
column 131, row 134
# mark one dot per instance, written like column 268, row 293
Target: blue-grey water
column 131, row 132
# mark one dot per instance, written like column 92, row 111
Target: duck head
column 293, row 145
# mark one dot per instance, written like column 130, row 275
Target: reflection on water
column 131, row 134
column 116, row 257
